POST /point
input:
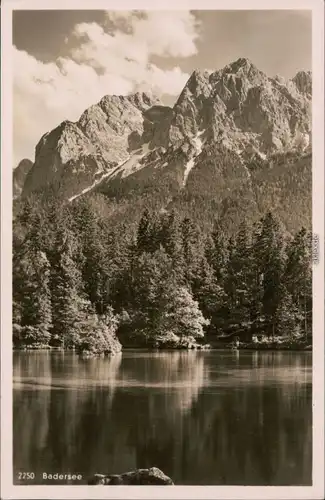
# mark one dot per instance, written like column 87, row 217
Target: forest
column 160, row 282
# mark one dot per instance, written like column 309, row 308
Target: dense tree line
column 162, row 281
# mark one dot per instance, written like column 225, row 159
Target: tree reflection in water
column 202, row 417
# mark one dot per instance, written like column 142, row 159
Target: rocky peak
column 139, row 100
column 19, row 176
column 198, row 83
column 237, row 107
column 144, row 100
column 66, row 142
column 241, row 63
column 241, row 66
column 102, row 138
column 244, row 109
column 242, row 69
column 303, row 81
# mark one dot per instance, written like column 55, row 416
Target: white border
column 8, row 491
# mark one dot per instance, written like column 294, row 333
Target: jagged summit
column 303, row 81
column 141, row 100
column 242, row 67
column 197, row 76
column 198, row 83
column 242, row 64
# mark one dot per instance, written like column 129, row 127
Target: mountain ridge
column 133, row 144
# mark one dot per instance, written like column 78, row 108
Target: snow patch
column 188, row 167
column 302, row 141
column 197, row 141
column 132, row 164
column 93, row 185
column 198, row 144
column 249, row 175
column 127, row 167
column 100, row 169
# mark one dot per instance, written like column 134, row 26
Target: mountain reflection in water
column 202, row 417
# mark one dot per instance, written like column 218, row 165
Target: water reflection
column 203, row 418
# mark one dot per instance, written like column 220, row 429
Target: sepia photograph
column 162, row 287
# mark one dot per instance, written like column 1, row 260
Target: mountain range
column 235, row 145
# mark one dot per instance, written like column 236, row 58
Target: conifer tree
column 121, row 254
column 270, row 256
column 148, row 232
column 287, row 316
column 170, row 233
column 206, row 290
column 298, row 277
column 32, row 297
column 69, row 304
column 154, row 280
column 216, row 252
column 193, row 250
column 230, row 278
column 171, row 240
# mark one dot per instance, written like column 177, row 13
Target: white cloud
column 46, row 94
column 102, row 61
column 168, row 33
column 165, row 33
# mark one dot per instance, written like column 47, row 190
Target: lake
column 213, row 418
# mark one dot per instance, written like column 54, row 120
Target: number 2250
column 26, row 475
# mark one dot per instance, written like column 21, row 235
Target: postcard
column 162, row 249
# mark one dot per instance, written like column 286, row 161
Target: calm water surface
column 202, row 417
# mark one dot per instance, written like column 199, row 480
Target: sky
column 64, row 61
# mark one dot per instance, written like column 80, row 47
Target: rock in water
column 152, row 476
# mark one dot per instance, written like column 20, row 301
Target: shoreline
column 308, row 348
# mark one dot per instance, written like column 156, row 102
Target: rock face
column 303, row 82
column 242, row 109
column 19, row 176
column 235, row 137
column 75, row 155
column 152, row 476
